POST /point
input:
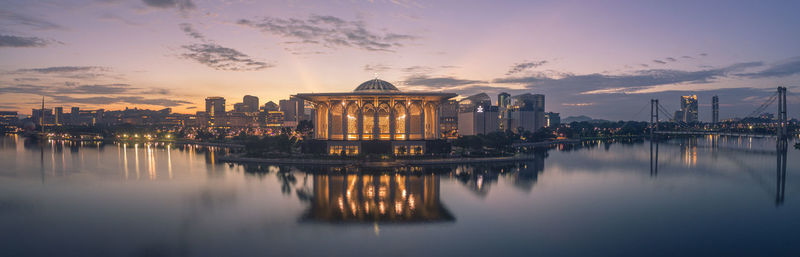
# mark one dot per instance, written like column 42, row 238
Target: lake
column 705, row 196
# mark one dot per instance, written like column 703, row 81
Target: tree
column 305, row 127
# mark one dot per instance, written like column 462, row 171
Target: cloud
column 784, row 68
column 687, row 57
column 223, row 58
column 72, row 72
column 417, row 69
column 189, row 30
column 577, row 104
column 659, row 62
column 81, row 89
column 423, row 80
column 17, row 41
column 64, row 69
column 77, row 94
column 376, row 68
column 94, row 89
column 26, row 79
column 329, row 31
column 12, row 18
column 217, row 56
column 520, row 67
column 671, row 59
column 102, row 100
column 623, row 83
column 23, row 89
column 182, row 5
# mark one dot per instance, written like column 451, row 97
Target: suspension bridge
column 780, row 132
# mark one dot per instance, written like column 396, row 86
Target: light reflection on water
column 701, row 196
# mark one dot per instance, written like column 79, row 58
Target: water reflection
column 722, row 144
column 376, row 198
column 577, row 199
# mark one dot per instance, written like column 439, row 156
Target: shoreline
column 373, row 164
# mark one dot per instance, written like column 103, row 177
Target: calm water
column 702, row 197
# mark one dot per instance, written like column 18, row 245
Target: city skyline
column 588, row 58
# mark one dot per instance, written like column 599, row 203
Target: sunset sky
column 604, row 59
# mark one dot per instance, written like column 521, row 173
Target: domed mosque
column 376, row 118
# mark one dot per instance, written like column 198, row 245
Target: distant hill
column 571, row 119
column 582, row 118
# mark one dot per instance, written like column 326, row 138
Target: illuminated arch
column 353, row 118
column 368, row 122
column 400, row 119
column 384, row 122
column 415, row 121
column 336, row 122
column 430, row 121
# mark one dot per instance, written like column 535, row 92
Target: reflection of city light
column 398, row 207
column 382, row 207
column 382, row 192
column 411, row 202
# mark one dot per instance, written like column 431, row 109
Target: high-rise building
column 552, row 119
column 274, row 119
column 527, row 112
column 251, row 103
column 42, row 116
column 448, row 118
column 482, row 120
column 215, row 106
column 8, row 118
column 240, row 107
column 689, row 108
column 472, row 102
column 75, row 115
column 503, row 103
column 715, row 109
column 270, row 106
column 293, row 111
column 58, row 116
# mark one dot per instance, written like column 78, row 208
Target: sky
column 603, row 59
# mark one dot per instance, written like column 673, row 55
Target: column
column 422, row 118
column 408, row 123
column 375, row 129
column 436, row 120
column 345, row 120
column 328, row 122
column 360, row 120
column 392, row 122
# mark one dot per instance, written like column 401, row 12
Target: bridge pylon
column 653, row 117
column 782, row 118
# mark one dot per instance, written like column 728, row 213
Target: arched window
column 369, row 122
column 383, row 122
column 415, row 121
column 399, row 121
column 352, row 121
column 430, row 121
column 336, row 122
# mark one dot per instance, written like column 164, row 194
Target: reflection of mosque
column 376, row 198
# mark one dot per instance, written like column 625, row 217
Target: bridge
column 781, row 134
column 781, row 124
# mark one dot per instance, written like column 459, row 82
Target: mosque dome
column 376, row 85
